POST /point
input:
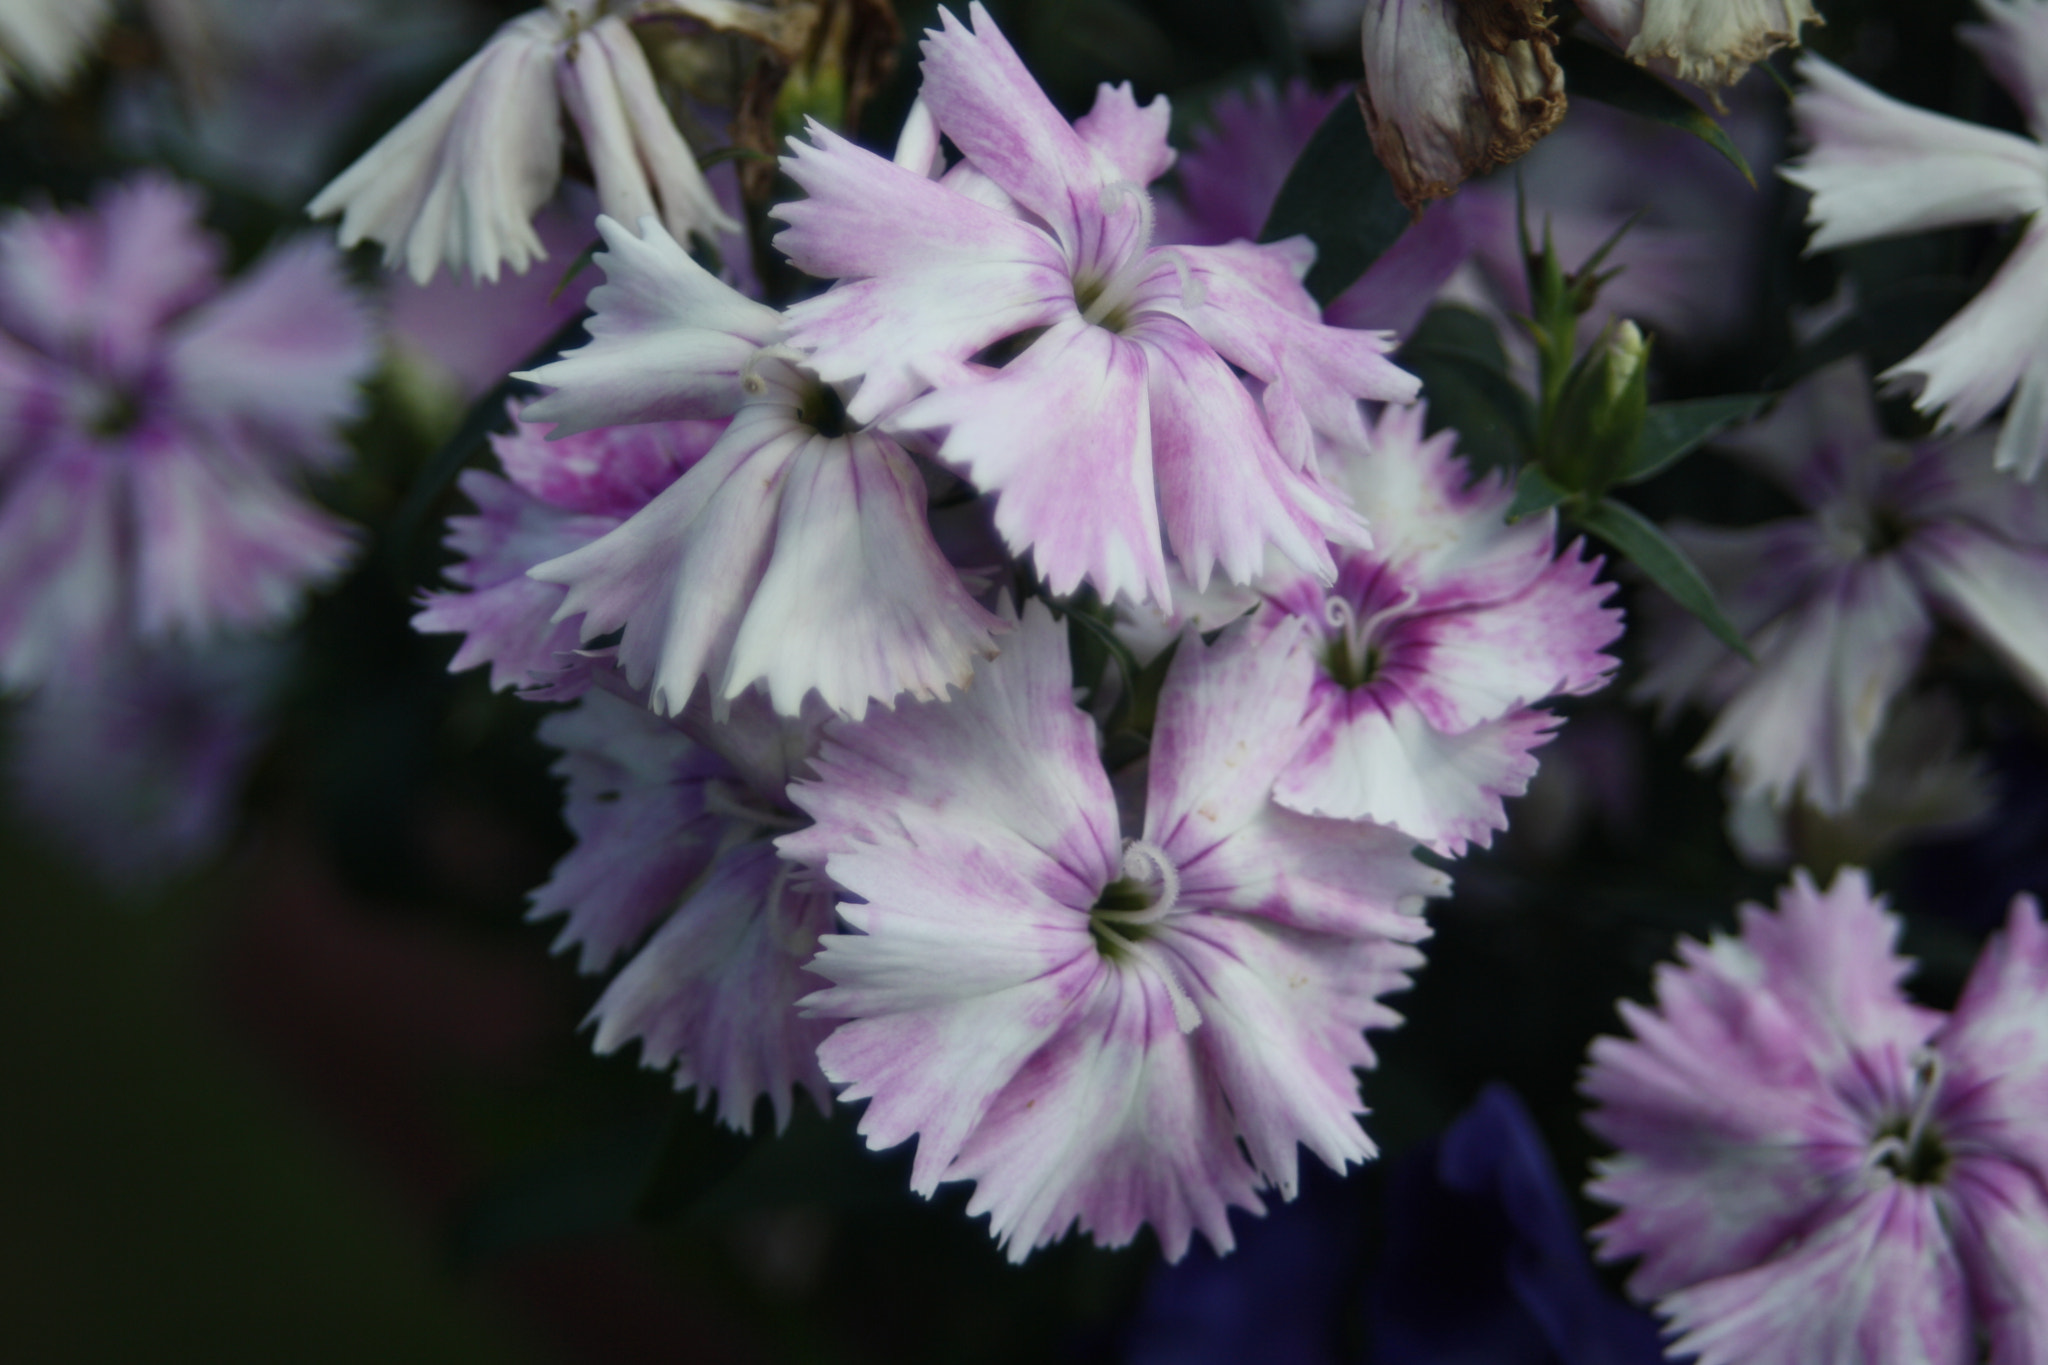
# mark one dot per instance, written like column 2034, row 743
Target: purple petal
column 1995, row 1049
column 611, row 472
column 1063, row 436
column 1129, row 136
column 64, row 591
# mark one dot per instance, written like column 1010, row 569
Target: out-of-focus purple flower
column 1431, row 651
column 557, row 496
column 459, row 181
column 1485, row 1263
column 1118, row 414
column 1707, row 42
column 796, row 554
column 42, row 42
column 1098, row 1030
column 1680, row 266
column 1810, row 1167
column 674, row 866
column 152, row 420
column 1879, row 168
column 1838, row 604
column 135, row 769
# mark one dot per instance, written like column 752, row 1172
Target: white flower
column 1707, row 42
column 461, row 178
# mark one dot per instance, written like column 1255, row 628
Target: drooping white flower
column 460, row 179
column 1707, row 42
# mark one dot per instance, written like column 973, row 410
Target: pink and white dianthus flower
column 1433, row 648
column 557, row 496
column 460, row 179
column 796, row 554
column 153, row 420
column 1119, row 413
column 1838, row 604
column 675, row 867
column 1878, row 168
column 1115, row 1032
column 1812, row 1168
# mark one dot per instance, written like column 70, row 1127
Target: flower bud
column 1599, row 418
column 1456, row 87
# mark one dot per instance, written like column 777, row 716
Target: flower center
column 1908, row 1145
column 1354, row 652
column 1146, row 893
column 1103, row 301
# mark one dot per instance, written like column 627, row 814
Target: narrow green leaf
column 1597, row 74
column 1341, row 198
column 1671, row 431
column 1628, row 531
column 1534, row 492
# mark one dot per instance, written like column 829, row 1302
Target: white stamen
column 750, row 377
column 1118, row 288
column 1185, row 1013
column 1143, row 862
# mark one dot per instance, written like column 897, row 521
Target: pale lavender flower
column 1879, row 168
column 1432, row 649
column 152, row 421
column 1811, row 1168
column 557, row 496
column 459, row 181
column 1115, row 1032
column 1838, row 604
column 674, row 867
column 796, row 554
column 1116, row 412
column 135, row 770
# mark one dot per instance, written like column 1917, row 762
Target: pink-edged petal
column 713, row 992
column 1284, row 1015
column 669, row 340
column 1877, row 1284
column 1445, row 532
column 1254, row 311
column 1732, row 1103
column 221, row 543
column 65, row 596
column 1336, row 877
column 1229, row 719
column 1011, row 757
column 1464, row 668
column 1225, row 494
column 506, row 618
column 678, row 575
column 278, row 355
column 1996, row 588
column 459, row 180
column 927, row 273
column 1363, row 761
column 1879, row 168
column 993, row 110
column 97, row 288
column 857, row 602
column 611, row 472
column 636, row 804
column 1974, row 362
column 2013, row 43
column 964, row 967
column 1806, row 720
column 1112, row 1125
column 1995, row 1050
column 2000, row 1212
column 1063, row 436
column 1130, row 136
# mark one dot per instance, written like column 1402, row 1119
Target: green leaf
column 1628, row 531
column 1342, row 199
column 1534, row 492
column 1597, row 74
column 1672, row 431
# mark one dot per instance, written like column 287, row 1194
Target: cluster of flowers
column 1116, row 996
